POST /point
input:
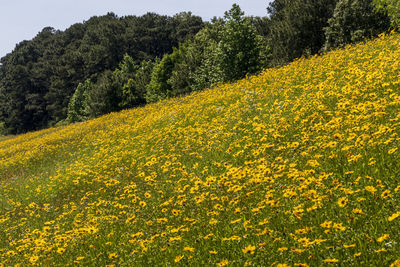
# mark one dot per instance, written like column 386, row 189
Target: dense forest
column 110, row 63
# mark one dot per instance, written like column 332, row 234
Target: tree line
column 110, row 63
column 39, row 77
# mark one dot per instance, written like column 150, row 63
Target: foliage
column 239, row 46
column 205, row 51
column 78, row 107
column 186, row 26
column 40, row 76
column 297, row 28
column 224, row 50
column 105, row 95
column 133, row 80
column 392, row 7
column 260, row 24
column 195, row 56
column 354, row 21
column 181, row 78
column 159, row 86
column 209, row 71
column 296, row 166
column 125, row 87
column 2, row 128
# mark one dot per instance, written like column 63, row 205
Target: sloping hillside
column 298, row 165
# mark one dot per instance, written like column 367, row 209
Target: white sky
column 23, row 19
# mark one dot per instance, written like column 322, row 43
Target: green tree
column 159, row 86
column 78, row 107
column 240, row 46
column 210, row 70
column 224, row 50
column 13, row 101
column 133, row 80
column 23, row 83
column 353, row 21
column 180, row 79
column 296, row 28
column 194, row 65
column 392, row 7
column 105, row 95
column 186, row 26
column 205, row 56
column 2, row 128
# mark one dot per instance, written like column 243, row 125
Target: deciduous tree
column 354, row 21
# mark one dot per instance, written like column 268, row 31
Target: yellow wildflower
column 179, row 258
column 112, row 256
column 331, row 260
column 223, row 263
column 394, row 216
column 189, row 249
column 342, row 202
column 249, row 249
column 383, row 238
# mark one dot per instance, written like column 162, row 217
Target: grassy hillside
column 299, row 166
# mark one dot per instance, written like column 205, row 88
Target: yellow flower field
column 298, row 166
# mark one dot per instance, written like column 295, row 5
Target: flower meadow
column 297, row 166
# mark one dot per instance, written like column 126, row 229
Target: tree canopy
column 354, row 21
column 297, row 27
column 392, row 7
column 40, row 76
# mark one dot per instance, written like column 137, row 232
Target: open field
column 299, row 165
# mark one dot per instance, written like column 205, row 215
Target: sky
column 23, row 19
